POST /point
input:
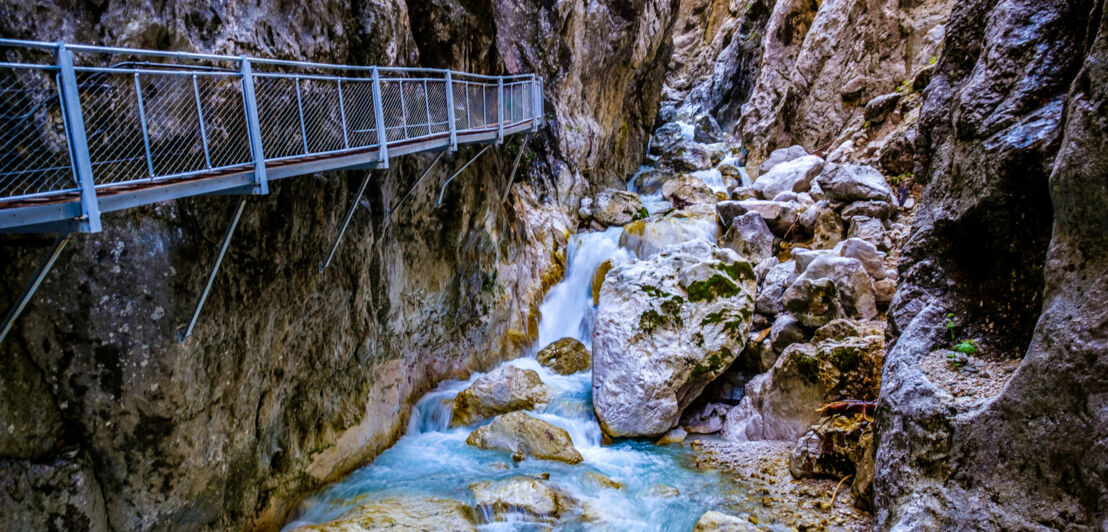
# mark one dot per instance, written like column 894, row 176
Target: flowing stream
column 661, row 488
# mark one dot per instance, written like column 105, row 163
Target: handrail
column 76, row 131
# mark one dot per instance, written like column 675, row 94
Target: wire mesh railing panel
column 224, row 120
column 322, row 115
column 172, row 124
column 113, row 127
column 34, row 152
column 415, row 109
column 392, row 105
column 461, row 105
column 360, row 120
column 279, row 116
column 436, row 104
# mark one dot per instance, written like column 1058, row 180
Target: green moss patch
column 716, row 286
column 739, row 271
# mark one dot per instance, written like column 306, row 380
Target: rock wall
column 293, row 379
column 1011, row 239
column 823, row 61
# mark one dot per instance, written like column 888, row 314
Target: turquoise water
column 433, row 459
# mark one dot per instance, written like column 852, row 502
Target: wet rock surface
column 502, row 390
column 665, row 328
column 403, row 513
column 566, row 356
column 525, row 436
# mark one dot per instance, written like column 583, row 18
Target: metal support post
column 78, row 143
column 427, row 106
column 415, row 186
column 32, row 287
column 450, row 112
column 253, row 129
column 183, row 334
column 515, row 166
column 379, row 117
column 460, row 170
column 500, row 110
column 345, row 222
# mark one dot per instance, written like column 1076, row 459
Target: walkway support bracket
column 345, row 222
column 89, row 222
column 184, row 333
column 36, row 281
column 426, row 172
column 515, row 166
column 442, row 191
column 253, row 130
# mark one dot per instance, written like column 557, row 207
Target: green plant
column 901, row 179
column 934, row 59
column 961, row 352
column 905, row 87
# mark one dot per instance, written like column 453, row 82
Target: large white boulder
column 665, row 328
column 792, row 176
column 647, row 237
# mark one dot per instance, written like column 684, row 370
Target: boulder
column 665, row 328
column 786, row 331
column 827, row 228
column 884, row 290
column 707, row 131
column 778, row 216
column 847, row 183
column 879, row 108
column 566, row 356
column 833, row 447
column 524, row 436
column 783, row 403
column 758, row 356
column 650, row 181
column 728, row 210
column 645, row 238
column 781, row 155
column 871, row 208
column 499, row 391
column 750, row 237
column 729, row 171
column 714, row 521
column 792, row 176
column 688, row 190
column 676, row 435
column 535, row 499
column 614, row 207
column 411, row 512
column 814, row 302
column 867, row 253
column 689, row 157
column 854, row 288
column 744, row 193
column 869, row 229
column 771, row 290
column 705, row 420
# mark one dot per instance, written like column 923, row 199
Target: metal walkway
column 86, row 130
column 121, row 127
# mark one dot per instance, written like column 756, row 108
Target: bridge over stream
column 86, row 130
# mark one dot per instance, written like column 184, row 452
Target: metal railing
column 81, row 121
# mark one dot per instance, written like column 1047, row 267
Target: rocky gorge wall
column 1010, row 239
column 293, row 379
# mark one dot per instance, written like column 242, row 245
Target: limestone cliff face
column 823, row 61
column 294, row 378
column 1010, row 238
